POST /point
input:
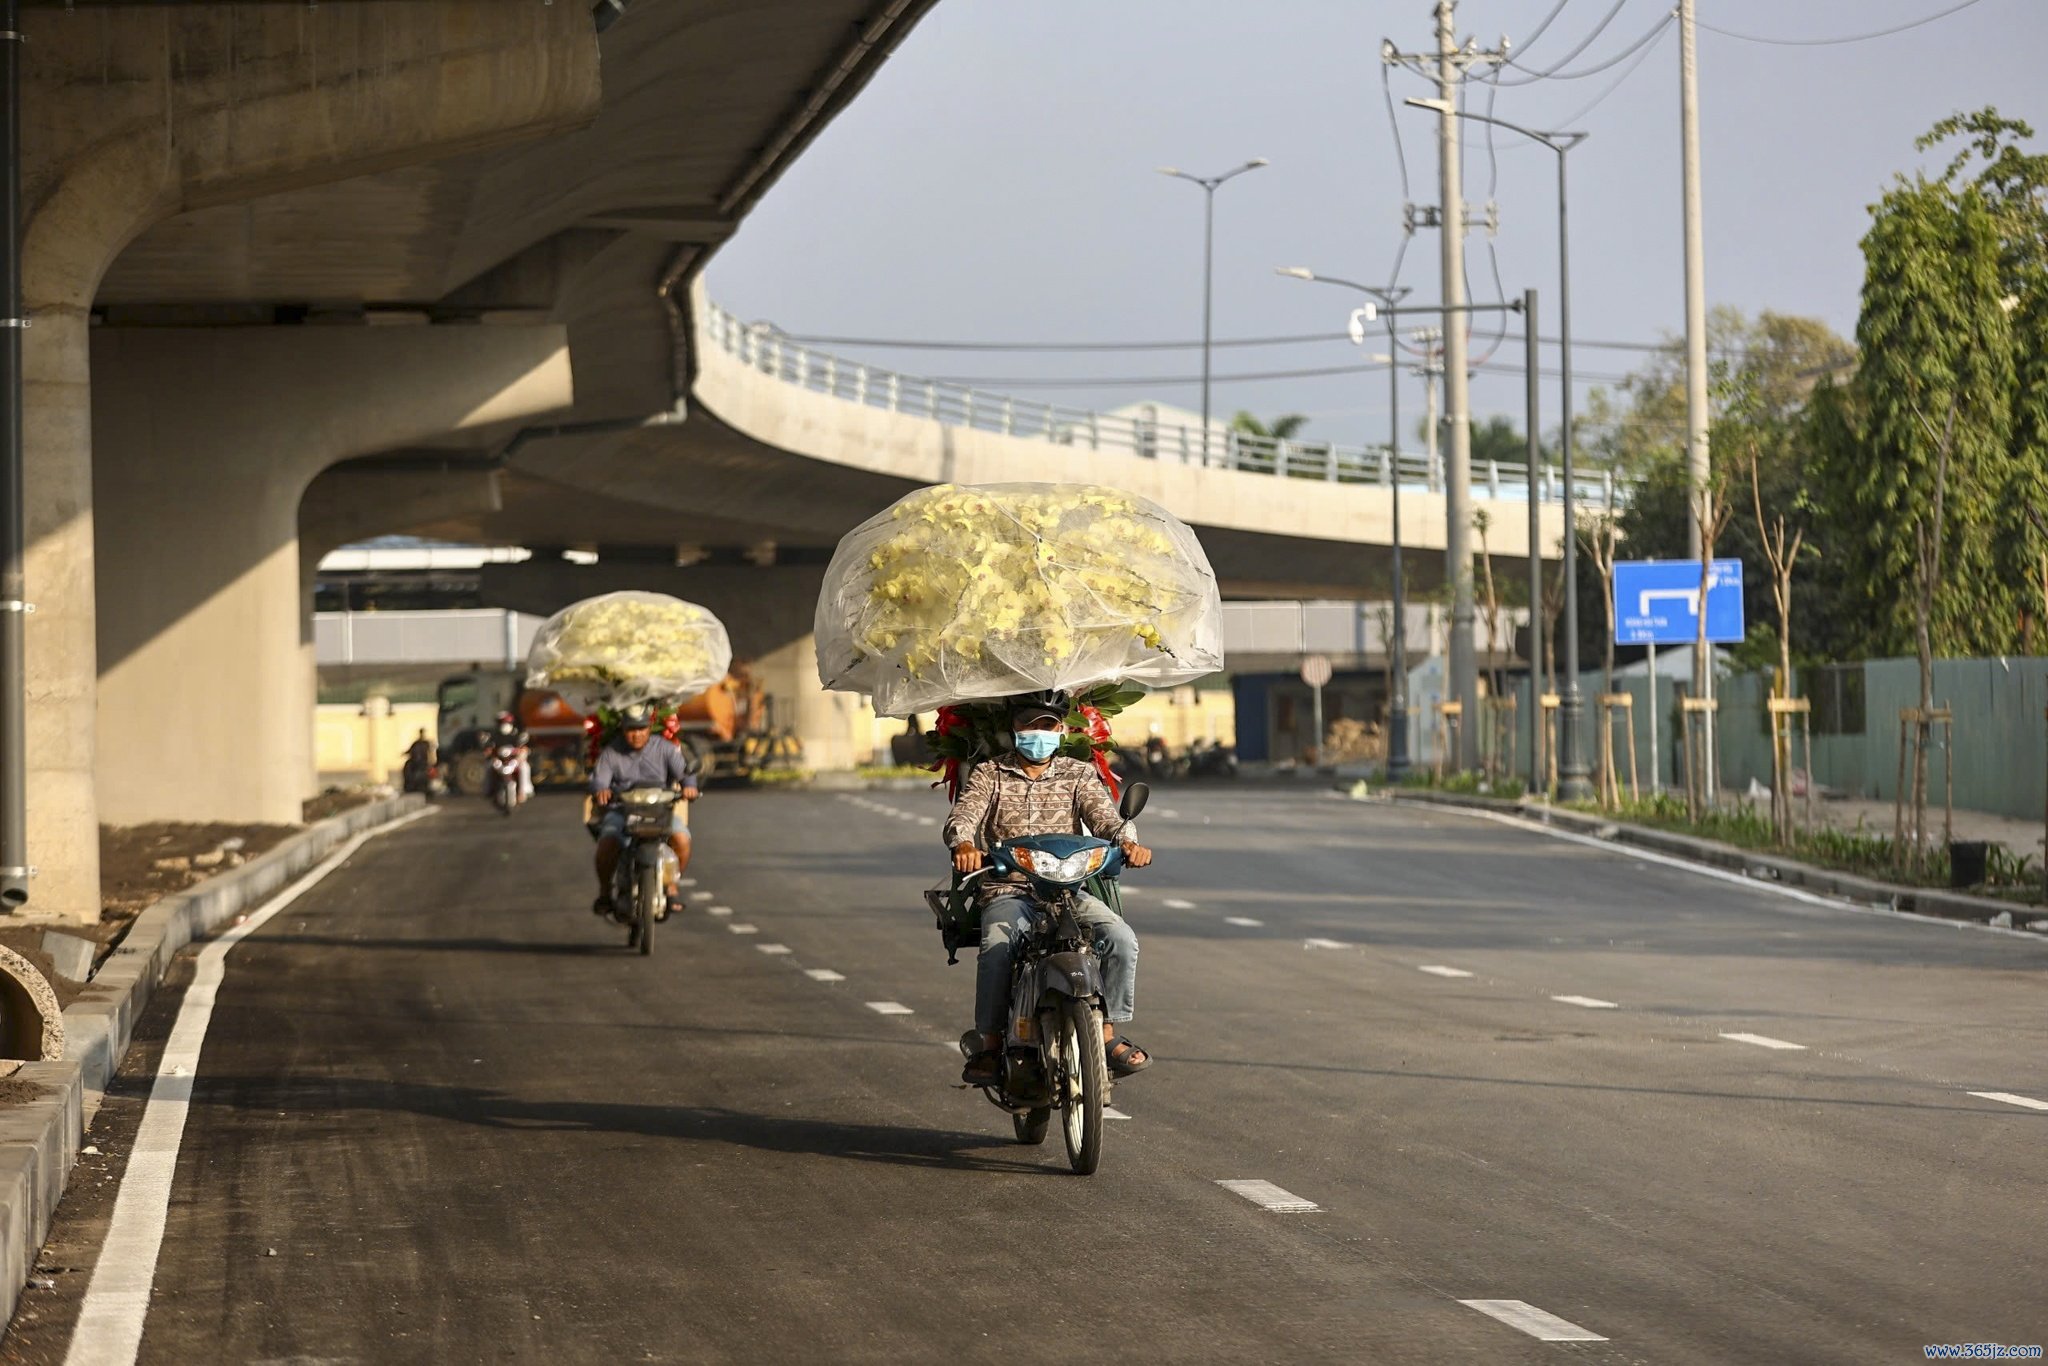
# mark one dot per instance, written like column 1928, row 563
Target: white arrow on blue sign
column 1657, row 602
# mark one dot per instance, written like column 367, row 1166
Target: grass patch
column 1863, row 851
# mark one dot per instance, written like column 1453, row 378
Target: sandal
column 1126, row 1057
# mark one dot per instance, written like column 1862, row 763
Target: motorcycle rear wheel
column 1032, row 1127
column 1088, row 1072
column 646, row 903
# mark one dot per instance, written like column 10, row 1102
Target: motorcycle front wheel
column 1087, row 1074
column 647, row 904
column 1032, row 1128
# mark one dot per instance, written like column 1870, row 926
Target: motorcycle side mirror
column 1135, row 797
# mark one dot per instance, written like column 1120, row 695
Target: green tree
column 1284, row 428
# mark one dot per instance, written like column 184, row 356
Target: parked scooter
column 1053, row 1056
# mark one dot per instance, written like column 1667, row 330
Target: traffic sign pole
column 1316, row 671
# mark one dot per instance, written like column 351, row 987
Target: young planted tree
column 1934, row 388
column 1781, row 543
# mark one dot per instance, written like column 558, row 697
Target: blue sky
column 996, row 181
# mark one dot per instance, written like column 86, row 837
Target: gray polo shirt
column 661, row 763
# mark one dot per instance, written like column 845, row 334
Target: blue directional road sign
column 1657, row 602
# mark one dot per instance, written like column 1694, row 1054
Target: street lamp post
column 1571, row 769
column 1209, row 185
column 1397, row 700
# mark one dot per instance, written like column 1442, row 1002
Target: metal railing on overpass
column 762, row 347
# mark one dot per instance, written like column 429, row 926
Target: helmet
column 639, row 716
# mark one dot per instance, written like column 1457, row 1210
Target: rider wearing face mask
column 1032, row 790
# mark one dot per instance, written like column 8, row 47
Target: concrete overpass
column 302, row 276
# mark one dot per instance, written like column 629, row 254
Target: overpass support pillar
column 206, row 443
column 134, row 116
column 835, row 728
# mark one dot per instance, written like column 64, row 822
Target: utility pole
column 1698, row 459
column 1451, row 63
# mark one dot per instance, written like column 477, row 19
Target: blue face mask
column 1038, row 745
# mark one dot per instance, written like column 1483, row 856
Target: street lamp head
column 1170, row 170
column 1255, row 163
column 1295, row 272
column 1440, row 106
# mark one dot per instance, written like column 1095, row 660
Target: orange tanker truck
column 729, row 728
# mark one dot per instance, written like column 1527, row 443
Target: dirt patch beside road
column 336, row 800
column 142, row 864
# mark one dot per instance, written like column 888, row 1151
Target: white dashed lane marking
column 686, row 882
column 1324, row 944
column 823, row 975
column 1269, row 1196
column 1438, row 969
column 1243, row 920
column 1533, row 1321
column 1174, row 903
column 744, row 929
column 890, row 1008
column 718, row 910
column 1589, row 1002
column 1765, row 1041
column 700, row 896
column 772, row 948
column 2008, row 1098
column 1111, row 1112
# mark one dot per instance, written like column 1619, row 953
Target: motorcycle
column 1211, row 760
column 1053, row 1057
column 639, row 893
column 420, row 775
column 504, row 779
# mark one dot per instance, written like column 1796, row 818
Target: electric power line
column 1176, row 381
column 1584, row 43
column 1833, row 42
column 1302, row 338
column 1598, row 67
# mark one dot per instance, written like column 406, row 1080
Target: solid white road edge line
column 1439, row 970
column 1269, row 1196
column 2008, row 1098
column 1766, row 1041
column 109, row 1331
column 1832, row 903
column 1589, row 1002
column 1533, row 1321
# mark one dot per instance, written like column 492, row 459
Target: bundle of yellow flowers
column 621, row 648
column 958, row 593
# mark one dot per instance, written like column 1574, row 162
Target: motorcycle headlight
column 1074, row 868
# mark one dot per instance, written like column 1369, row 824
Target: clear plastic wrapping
column 959, row 593
column 621, row 648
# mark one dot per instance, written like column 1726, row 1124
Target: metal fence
column 956, row 405
column 2001, row 734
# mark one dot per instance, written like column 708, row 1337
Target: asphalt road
column 442, row 1116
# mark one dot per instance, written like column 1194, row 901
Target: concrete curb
column 1763, row 866
column 39, row 1139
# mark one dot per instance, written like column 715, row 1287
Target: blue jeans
column 1004, row 920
